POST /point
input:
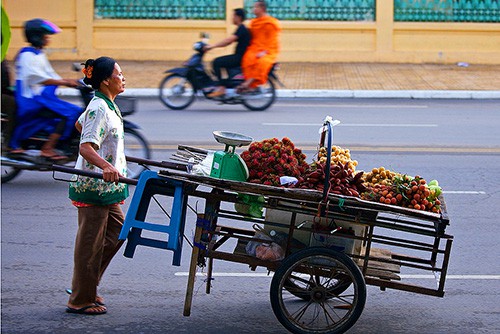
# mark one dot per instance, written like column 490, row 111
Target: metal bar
column 402, row 286
column 445, row 265
column 392, row 243
column 245, row 259
column 210, row 269
column 407, row 222
column 192, row 272
column 400, row 263
column 192, row 149
column 162, row 164
column 411, row 259
column 367, row 250
column 437, row 241
column 404, row 241
column 402, row 228
column 222, row 240
column 69, row 170
column 290, row 234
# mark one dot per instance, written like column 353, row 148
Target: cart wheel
column 336, row 286
column 326, row 309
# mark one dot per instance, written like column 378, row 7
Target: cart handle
column 328, row 125
column 162, row 164
column 69, row 170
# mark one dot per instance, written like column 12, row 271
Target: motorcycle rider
column 242, row 37
column 36, row 82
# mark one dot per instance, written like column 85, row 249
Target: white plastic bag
column 204, row 168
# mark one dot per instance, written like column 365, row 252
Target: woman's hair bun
column 98, row 70
column 87, row 71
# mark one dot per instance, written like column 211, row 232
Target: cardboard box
column 303, row 221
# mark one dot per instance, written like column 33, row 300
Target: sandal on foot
column 87, row 310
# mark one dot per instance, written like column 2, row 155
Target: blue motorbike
column 12, row 164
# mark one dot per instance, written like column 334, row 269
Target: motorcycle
column 12, row 164
column 182, row 84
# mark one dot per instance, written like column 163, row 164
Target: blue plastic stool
column 150, row 184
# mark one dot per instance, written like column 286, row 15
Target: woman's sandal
column 87, row 310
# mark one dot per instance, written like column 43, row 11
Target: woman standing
column 100, row 217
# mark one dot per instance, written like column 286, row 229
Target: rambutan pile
column 270, row 159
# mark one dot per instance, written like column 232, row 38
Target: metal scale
column 227, row 164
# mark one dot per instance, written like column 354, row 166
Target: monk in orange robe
column 263, row 50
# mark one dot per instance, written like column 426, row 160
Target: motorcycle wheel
column 9, row 173
column 176, row 92
column 262, row 99
column 135, row 146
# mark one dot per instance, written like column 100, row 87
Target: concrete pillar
column 385, row 29
column 85, row 29
column 231, row 5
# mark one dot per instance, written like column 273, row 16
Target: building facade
column 398, row 31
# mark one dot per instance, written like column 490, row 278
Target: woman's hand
column 89, row 152
column 110, row 174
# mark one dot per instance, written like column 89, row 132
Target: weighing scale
column 227, row 164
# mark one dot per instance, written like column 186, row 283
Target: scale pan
column 232, row 138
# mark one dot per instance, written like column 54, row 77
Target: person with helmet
column 37, row 104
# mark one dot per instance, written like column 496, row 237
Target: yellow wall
column 380, row 41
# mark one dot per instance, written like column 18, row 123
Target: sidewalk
column 370, row 80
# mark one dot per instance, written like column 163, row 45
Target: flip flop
column 85, row 310
column 69, row 292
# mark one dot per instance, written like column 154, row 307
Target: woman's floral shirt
column 102, row 125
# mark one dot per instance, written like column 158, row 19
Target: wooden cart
column 334, row 247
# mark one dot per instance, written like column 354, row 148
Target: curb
column 325, row 93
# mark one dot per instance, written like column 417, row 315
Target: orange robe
column 265, row 37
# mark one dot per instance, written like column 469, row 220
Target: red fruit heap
column 342, row 180
column 270, row 159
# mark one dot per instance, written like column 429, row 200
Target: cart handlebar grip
column 69, row 170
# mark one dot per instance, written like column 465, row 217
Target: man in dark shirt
column 242, row 36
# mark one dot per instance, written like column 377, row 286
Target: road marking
column 466, row 192
column 403, row 125
column 227, row 274
column 367, row 106
column 454, row 277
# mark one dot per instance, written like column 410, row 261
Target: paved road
column 145, row 294
column 416, row 123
